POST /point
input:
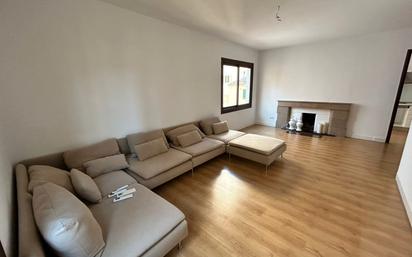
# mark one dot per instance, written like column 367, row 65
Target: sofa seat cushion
column 206, row 145
column 257, row 143
column 133, row 226
column 227, row 136
column 111, row 181
column 158, row 164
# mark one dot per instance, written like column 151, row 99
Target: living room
column 85, row 80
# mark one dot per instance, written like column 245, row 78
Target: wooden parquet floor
column 327, row 197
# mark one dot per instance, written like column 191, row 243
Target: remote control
column 126, row 192
column 117, row 191
column 121, row 198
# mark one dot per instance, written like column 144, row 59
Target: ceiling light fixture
column 277, row 16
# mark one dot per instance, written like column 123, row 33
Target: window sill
column 235, row 108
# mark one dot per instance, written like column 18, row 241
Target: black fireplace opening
column 308, row 120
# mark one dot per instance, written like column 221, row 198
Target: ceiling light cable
column 277, row 16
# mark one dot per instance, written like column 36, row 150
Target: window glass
column 244, row 85
column 229, row 85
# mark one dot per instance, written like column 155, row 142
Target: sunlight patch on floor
column 229, row 189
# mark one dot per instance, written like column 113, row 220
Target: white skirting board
column 369, row 138
column 405, row 202
column 263, row 123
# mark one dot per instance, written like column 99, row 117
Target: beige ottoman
column 257, row 148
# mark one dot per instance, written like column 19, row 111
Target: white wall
column 407, row 93
column 73, row 72
column 404, row 176
column 362, row 70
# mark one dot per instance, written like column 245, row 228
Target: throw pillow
column 85, row 186
column 151, row 148
column 189, row 138
column 220, row 127
column 172, row 134
column 66, row 223
column 104, row 165
column 206, row 125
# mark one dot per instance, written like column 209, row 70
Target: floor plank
column 328, row 197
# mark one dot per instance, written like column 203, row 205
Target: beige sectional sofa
column 145, row 225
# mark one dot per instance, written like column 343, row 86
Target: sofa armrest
column 30, row 243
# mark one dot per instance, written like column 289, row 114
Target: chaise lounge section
column 144, row 225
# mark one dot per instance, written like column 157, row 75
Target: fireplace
column 308, row 120
column 337, row 117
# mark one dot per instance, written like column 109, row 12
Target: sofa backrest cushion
column 189, row 138
column 206, row 125
column 140, row 138
column 123, row 146
column 104, row 165
column 40, row 174
column 151, row 148
column 55, row 160
column 172, row 134
column 85, row 186
column 220, row 127
column 66, row 223
column 75, row 159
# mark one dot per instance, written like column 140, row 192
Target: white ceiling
column 252, row 22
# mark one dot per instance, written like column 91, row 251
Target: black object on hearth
column 308, row 120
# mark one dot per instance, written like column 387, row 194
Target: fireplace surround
column 339, row 114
